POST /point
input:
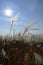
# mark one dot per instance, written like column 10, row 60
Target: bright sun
column 8, row 12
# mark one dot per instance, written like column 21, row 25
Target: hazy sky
column 30, row 11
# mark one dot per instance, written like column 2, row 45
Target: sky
column 30, row 11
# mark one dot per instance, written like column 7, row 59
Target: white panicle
column 14, row 19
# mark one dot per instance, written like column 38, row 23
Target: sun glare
column 8, row 12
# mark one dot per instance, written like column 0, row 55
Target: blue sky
column 30, row 11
